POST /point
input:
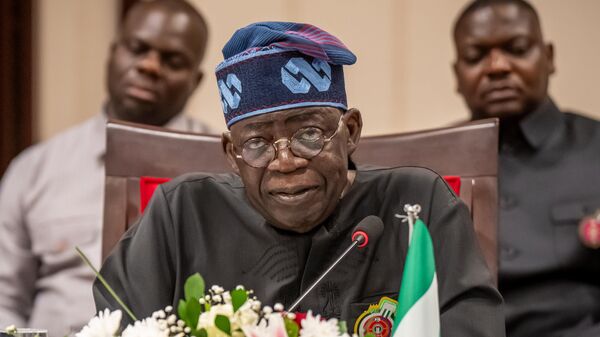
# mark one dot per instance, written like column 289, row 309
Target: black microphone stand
column 314, row 284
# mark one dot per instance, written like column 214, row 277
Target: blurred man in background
column 52, row 194
column 549, row 172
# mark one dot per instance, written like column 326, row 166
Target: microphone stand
column 314, row 284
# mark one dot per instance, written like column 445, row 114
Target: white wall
column 402, row 80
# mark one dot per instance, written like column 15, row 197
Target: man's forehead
column 176, row 29
column 315, row 115
column 499, row 20
column 160, row 20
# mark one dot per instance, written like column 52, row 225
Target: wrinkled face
column 153, row 67
column 502, row 65
column 291, row 192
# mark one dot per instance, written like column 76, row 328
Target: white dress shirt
column 51, row 200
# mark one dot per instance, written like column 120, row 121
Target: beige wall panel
column 431, row 99
column 402, row 80
column 73, row 38
column 574, row 28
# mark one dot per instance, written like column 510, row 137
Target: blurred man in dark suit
column 549, row 172
column 52, row 194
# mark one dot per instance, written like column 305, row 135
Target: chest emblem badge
column 377, row 320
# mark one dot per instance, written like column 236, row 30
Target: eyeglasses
column 305, row 143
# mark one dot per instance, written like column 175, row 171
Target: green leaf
column 238, row 298
column 370, row 334
column 181, row 309
column 342, row 327
column 291, row 327
column 194, row 287
column 192, row 310
column 199, row 333
column 223, row 324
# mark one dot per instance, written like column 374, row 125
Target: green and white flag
column 418, row 310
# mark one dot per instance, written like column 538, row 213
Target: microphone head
column 368, row 229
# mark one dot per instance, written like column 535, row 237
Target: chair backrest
column 134, row 151
column 468, row 151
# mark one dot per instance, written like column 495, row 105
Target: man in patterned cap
column 290, row 207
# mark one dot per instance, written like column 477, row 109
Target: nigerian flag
column 418, row 311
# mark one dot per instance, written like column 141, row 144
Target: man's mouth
column 141, row 93
column 500, row 93
column 293, row 195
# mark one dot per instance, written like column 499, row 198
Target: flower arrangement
column 217, row 313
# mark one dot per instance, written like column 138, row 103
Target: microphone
column 370, row 227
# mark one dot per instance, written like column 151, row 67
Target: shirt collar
column 180, row 122
column 538, row 126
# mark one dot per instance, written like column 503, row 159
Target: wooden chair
column 468, row 151
column 134, row 151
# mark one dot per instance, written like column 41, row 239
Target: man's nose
column 150, row 63
column 285, row 161
column 498, row 63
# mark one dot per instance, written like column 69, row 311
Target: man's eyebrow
column 257, row 126
column 304, row 116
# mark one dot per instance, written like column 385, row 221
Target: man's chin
column 296, row 225
column 501, row 110
column 142, row 114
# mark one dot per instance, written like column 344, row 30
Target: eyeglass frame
column 289, row 145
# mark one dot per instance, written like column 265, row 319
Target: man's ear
column 198, row 79
column 456, row 80
column 353, row 122
column 549, row 50
column 111, row 53
column 227, row 144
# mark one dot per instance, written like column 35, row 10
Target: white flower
column 227, row 297
column 149, row 327
column 207, row 318
column 217, row 289
column 11, row 329
column 313, row 326
column 245, row 315
column 105, row 324
column 271, row 326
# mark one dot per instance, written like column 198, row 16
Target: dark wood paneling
column 15, row 78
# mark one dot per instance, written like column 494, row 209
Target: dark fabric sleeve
column 470, row 304
column 141, row 267
column 592, row 331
